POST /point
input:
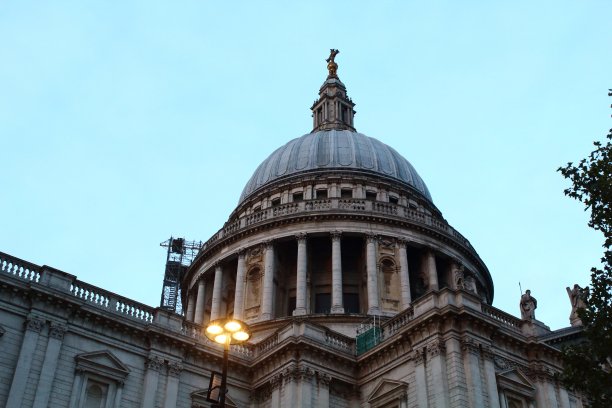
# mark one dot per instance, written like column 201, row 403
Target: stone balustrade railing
column 337, row 204
column 266, row 344
column 340, row 342
column 393, row 325
column 19, row 268
column 509, row 321
column 112, row 302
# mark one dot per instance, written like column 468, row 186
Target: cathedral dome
column 337, row 150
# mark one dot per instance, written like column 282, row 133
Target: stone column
column 430, row 270
column 240, row 283
column 215, row 309
column 268, row 289
column 151, row 379
column 372, row 278
column 564, row 401
column 190, row 313
column 323, row 381
column 199, row 310
column 172, row 385
column 300, row 279
column 337, row 304
column 404, row 276
column 437, row 362
column 47, row 372
column 24, row 362
column 491, row 379
column 420, row 378
column 471, row 361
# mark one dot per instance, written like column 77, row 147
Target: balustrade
column 19, row 268
column 111, row 302
column 506, row 319
column 344, row 204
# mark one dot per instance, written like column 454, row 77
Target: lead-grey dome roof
column 337, row 150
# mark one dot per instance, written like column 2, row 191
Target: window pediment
column 387, row 391
column 514, row 380
column 103, row 363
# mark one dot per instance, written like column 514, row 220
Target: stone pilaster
column 471, row 361
column 301, row 286
column 47, row 372
column 436, row 354
column 24, row 362
column 323, row 381
column 457, row 389
column 404, row 275
column 268, row 289
column 153, row 366
column 372, row 278
column 337, row 304
column 290, row 376
column 305, row 388
column 215, row 310
column 240, row 286
column 172, row 385
column 200, row 302
column 276, row 383
column 420, row 378
column 491, row 379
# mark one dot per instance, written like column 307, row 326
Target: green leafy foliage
column 588, row 365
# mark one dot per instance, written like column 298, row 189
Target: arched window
column 389, row 284
column 95, row 396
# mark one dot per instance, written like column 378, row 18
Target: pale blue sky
column 122, row 123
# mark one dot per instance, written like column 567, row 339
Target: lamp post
column 226, row 332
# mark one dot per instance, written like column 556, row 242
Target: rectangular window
column 275, row 201
column 321, row 194
column 322, row 303
column 351, row 302
column 370, row 195
column 346, row 193
column 291, row 306
column 298, row 197
column 393, row 200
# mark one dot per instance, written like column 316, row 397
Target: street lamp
column 226, row 332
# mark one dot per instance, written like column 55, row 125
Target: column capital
column 154, row 363
column 302, row 236
column 335, row 235
column 241, row 252
column 35, row 324
column 436, row 348
column 268, row 244
column 418, row 357
column 57, row 331
column 175, row 368
column 401, row 243
column 469, row 345
column 323, row 378
column 371, row 238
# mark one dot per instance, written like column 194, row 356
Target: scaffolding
column 369, row 334
column 181, row 254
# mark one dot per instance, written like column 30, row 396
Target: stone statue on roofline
column 576, row 296
column 528, row 306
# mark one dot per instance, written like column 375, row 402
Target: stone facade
column 356, row 289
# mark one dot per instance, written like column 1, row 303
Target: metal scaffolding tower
column 180, row 255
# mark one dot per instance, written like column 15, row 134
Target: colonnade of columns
column 196, row 304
